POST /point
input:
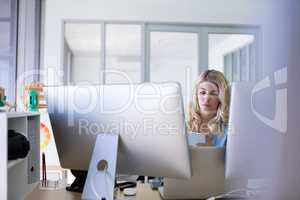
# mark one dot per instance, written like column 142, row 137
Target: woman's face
column 208, row 98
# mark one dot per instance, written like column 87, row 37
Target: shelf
column 12, row 163
column 21, row 114
column 19, row 176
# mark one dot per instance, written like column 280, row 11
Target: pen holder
column 56, row 180
column 33, row 101
column 2, row 101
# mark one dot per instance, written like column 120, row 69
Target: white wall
column 229, row 44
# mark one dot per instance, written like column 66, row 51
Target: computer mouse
column 129, row 191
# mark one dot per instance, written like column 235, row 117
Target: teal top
column 220, row 140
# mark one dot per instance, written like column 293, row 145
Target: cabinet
column 19, row 177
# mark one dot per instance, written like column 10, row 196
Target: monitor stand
column 100, row 180
column 78, row 184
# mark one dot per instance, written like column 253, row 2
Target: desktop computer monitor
column 253, row 145
column 149, row 119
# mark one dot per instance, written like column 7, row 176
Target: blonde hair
column 215, row 125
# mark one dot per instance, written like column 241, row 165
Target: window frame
column 247, row 30
column 203, row 31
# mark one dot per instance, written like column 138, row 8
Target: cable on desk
column 238, row 194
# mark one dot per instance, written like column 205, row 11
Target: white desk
column 144, row 192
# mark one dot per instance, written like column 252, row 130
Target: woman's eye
column 202, row 92
column 214, row 94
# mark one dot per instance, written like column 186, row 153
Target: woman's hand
column 207, row 133
column 208, row 139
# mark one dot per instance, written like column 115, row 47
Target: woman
column 209, row 109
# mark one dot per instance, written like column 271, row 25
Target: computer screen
column 253, row 145
column 149, row 119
